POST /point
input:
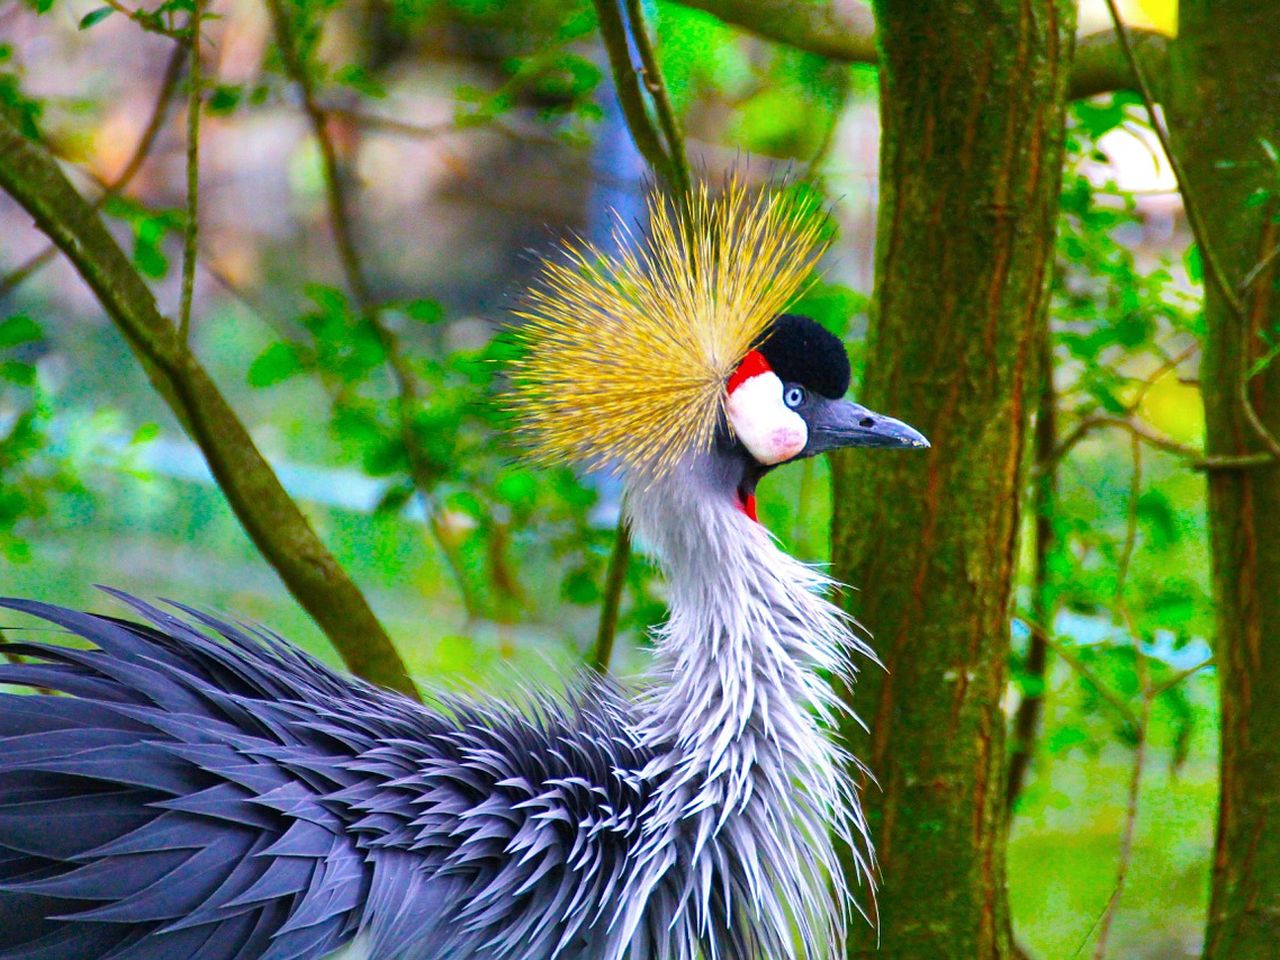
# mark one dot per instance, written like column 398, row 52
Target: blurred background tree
column 275, row 243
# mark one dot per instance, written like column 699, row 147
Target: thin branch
column 133, row 166
column 657, row 87
column 1130, row 829
column 342, row 226
column 1115, row 700
column 1181, row 675
column 1260, row 292
column 626, row 80
column 1196, row 458
column 615, row 579
column 274, row 522
column 1190, row 203
column 149, row 21
column 192, row 225
column 1144, row 716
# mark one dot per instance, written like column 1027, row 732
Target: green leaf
column 360, row 80
column 95, row 16
column 580, row 587
column 277, row 363
column 18, row 329
column 146, row 433
column 1195, row 266
column 23, row 374
column 424, row 311
column 224, row 98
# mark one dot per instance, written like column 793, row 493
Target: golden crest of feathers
column 627, row 356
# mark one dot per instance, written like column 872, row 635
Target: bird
column 200, row 788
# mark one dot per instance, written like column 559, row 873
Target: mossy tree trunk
column 1224, row 111
column 972, row 101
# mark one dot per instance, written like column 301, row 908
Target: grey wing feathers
column 208, row 792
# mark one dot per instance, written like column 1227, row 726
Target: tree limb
column 272, row 519
column 844, row 30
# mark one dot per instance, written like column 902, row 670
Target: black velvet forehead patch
column 801, row 350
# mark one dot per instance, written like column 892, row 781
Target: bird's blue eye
column 794, row 396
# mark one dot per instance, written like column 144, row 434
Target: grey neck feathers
column 752, row 795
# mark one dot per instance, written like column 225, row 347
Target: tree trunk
column 972, row 99
column 1224, row 110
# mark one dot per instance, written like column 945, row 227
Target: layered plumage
column 206, row 791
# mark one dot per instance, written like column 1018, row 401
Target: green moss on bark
column 972, row 99
column 1223, row 108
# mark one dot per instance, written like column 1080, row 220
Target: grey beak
column 842, row 423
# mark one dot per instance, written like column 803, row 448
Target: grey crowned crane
column 205, row 791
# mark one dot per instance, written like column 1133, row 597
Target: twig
column 341, row 224
column 121, row 180
column 626, row 80
column 1195, row 458
column 145, row 19
column 1180, row 676
column 615, row 579
column 1261, row 291
column 192, row 225
column 657, row 88
column 1115, row 700
column 1130, row 829
column 1144, row 715
column 1213, row 268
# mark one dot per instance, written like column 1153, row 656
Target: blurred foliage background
column 474, row 133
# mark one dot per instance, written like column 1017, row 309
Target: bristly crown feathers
column 627, row 356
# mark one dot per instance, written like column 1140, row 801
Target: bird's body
column 208, row 792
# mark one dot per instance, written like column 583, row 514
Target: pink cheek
column 786, row 442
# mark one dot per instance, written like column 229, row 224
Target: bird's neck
column 749, row 638
column 739, row 715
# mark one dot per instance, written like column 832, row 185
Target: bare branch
column 841, row 30
column 844, row 30
column 1196, row 458
column 1259, row 292
column 657, row 88
column 1100, row 64
column 272, row 519
column 626, row 80
column 192, row 225
column 615, row 580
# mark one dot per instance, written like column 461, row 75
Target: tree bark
column 972, row 102
column 273, row 521
column 1224, row 111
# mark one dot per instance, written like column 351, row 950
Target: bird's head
column 786, row 401
column 678, row 349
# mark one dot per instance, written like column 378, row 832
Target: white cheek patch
column 767, row 427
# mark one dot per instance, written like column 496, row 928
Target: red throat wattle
column 752, row 365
